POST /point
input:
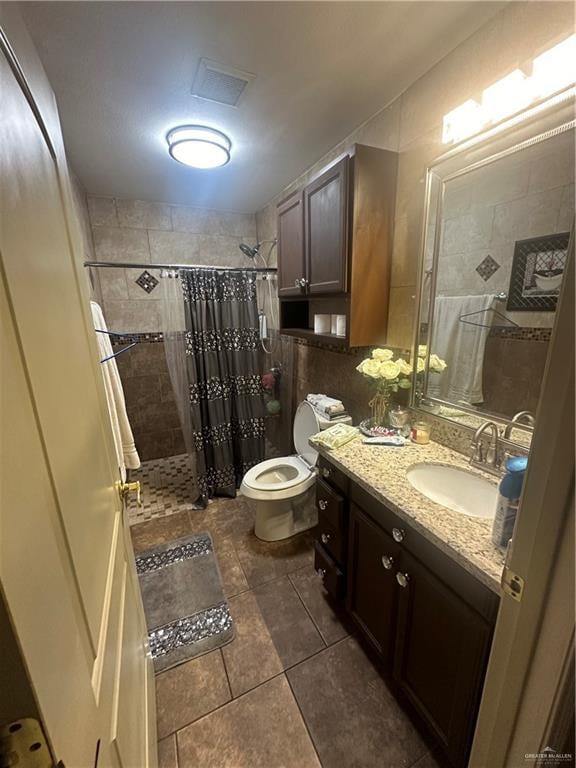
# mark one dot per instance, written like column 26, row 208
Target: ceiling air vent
column 224, row 85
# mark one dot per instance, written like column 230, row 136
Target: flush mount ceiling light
column 199, row 146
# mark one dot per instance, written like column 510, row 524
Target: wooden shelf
column 308, row 333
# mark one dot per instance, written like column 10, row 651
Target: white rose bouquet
column 390, row 375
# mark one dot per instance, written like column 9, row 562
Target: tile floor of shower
column 294, row 689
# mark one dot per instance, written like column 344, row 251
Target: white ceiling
column 123, row 72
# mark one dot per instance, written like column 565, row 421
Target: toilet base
column 281, row 519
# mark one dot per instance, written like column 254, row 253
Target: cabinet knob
column 387, row 561
column 325, row 538
column 297, row 283
column 402, row 579
column 321, row 572
column 303, row 282
column 323, row 504
column 398, row 534
column 326, row 471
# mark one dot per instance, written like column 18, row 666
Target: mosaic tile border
column 139, row 338
column 149, row 563
column 192, row 629
column 522, row 334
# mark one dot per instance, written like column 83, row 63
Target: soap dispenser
column 509, row 493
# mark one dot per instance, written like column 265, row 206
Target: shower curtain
column 214, row 366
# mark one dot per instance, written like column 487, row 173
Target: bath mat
column 186, row 612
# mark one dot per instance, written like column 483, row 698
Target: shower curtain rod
column 132, row 265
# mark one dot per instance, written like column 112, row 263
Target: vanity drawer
column 331, row 504
column 327, row 570
column 334, row 476
column 333, row 540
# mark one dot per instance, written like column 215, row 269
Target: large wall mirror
column 500, row 213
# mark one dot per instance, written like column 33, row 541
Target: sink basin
column 455, row 488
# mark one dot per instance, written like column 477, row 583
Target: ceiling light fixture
column 199, row 146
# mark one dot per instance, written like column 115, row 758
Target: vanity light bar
column 552, row 72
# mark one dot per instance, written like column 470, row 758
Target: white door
column 66, row 565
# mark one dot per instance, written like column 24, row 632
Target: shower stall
column 231, row 373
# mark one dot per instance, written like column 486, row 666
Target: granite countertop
column 381, row 470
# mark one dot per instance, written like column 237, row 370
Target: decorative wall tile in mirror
column 496, row 249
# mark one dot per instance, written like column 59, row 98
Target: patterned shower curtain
column 225, row 388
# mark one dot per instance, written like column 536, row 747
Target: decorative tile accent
column 190, row 630
column 487, row 267
column 202, row 545
column 522, row 334
column 140, row 338
column 147, row 282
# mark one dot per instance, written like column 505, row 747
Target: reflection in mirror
column 491, row 279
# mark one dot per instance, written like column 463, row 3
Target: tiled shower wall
column 144, row 232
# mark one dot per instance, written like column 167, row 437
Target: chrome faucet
column 516, row 419
column 488, row 459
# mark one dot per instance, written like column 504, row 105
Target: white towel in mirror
column 461, row 345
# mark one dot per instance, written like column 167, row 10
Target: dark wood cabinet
column 442, row 647
column 372, row 590
column 335, row 242
column 326, row 230
column 292, row 265
column 428, row 619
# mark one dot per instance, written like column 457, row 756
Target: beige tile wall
column 529, row 194
column 157, row 233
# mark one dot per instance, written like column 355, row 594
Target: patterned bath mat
column 186, row 611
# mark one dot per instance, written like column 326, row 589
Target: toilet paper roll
column 321, row 323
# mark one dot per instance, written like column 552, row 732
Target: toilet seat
column 261, row 477
column 287, row 476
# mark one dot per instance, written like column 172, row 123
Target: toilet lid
column 306, row 424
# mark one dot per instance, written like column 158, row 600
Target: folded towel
column 326, row 405
column 126, row 453
column 336, row 436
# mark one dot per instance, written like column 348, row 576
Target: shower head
column 250, row 251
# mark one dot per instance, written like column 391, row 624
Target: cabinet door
column 442, row 647
column 326, row 227
column 372, row 589
column 291, row 265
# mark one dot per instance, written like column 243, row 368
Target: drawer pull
column 398, row 534
column 321, row 572
column 326, row 472
column 323, row 504
column 402, row 579
column 387, row 561
column 325, row 538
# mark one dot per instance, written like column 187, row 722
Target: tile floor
column 293, row 689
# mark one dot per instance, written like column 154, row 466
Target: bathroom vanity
column 419, row 581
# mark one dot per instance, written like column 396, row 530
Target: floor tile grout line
column 304, row 721
column 295, row 588
column 226, row 672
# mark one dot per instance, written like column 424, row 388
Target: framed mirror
column 497, row 236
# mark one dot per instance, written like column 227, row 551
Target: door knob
column 398, row 534
column 323, row 504
column 321, row 572
column 325, row 538
column 402, row 579
column 387, row 561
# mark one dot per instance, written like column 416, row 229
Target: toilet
column 281, row 490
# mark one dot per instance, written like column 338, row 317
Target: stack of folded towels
column 327, row 407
